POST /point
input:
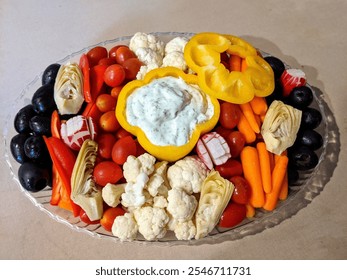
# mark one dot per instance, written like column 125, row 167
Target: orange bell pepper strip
column 64, row 160
column 55, row 124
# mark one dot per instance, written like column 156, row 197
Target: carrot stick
column 243, row 64
column 258, row 120
column 250, row 211
column 245, row 128
column 249, row 114
column 278, row 175
column 234, row 63
column 251, row 171
column 259, row 105
column 284, row 188
column 265, row 166
column 272, row 161
column 262, row 117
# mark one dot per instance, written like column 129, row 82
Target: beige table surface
column 310, row 35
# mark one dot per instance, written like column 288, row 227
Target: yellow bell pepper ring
column 163, row 152
column 203, row 55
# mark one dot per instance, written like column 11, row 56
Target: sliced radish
column 292, row 78
column 203, row 154
column 76, row 130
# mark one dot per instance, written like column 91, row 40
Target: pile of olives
column 302, row 155
column 31, row 123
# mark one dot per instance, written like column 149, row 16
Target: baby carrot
column 250, row 211
column 245, row 128
column 278, row 175
column 243, row 64
column 234, row 63
column 284, row 188
column 249, row 114
column 259, row 105
column 265, row 166
column 251, row 171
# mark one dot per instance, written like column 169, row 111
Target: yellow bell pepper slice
column 168, row 152
column 203, row 55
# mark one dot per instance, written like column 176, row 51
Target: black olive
column 43, row 100
column 311, row 118
column 301, row 97
column 41, row 125
column 50, row 73
column 276, row 64
column 277, row 94
column 33, row 177
column 36, row 150
column 17, row 147
column 303, row 158
column 293, row 175
column 310, row 138
column 22, row 118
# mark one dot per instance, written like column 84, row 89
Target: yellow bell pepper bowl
column 164, row 152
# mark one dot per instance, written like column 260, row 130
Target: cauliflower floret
column 144, row 69
column 160, row 202
column 136, row 165
column 111, row 194
column 187, row 174
column 181, row 205
column 175, row 59
column 152, row 222
column 134, row 195
column 149, row 57
column 125, row 227
column 185, row 230
column 176, row 45
column 158, row 183
column 148, row 41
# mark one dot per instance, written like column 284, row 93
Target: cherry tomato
column 95, row 54
column 139, row 149
column 105, row 144
column 231, row 167
column 116, row 91
column 132, row 67
column 121, row 132
column 233, row 215
column 84, row 218
column 107, row 61
column 112, row 51
column 229, row 115
column 107, row 172
column 222, row 131
column 105, row 102
column 108, row 121
column 114, row 75
column 109, row 216
column 242, row 190
column 123, row 148
column 236, row 141
column 123, row 53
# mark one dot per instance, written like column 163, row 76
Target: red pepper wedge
column 96, row 75
column 64, row 160
column 84, row 65
column 56, row 187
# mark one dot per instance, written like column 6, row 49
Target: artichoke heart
column 84, row 191
column 68, row 89
column 280, row 127
column 215, row 195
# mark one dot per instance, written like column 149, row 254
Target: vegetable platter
column 75, row 143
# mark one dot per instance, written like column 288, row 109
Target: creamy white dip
column 168, row 110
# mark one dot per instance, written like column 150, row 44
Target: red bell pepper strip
column 55, row 124
column 56, row 187
column 64, row 160
column 84, row 65
column 96, row 75
column 92, row 111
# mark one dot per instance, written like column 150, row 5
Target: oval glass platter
column 310, row 184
